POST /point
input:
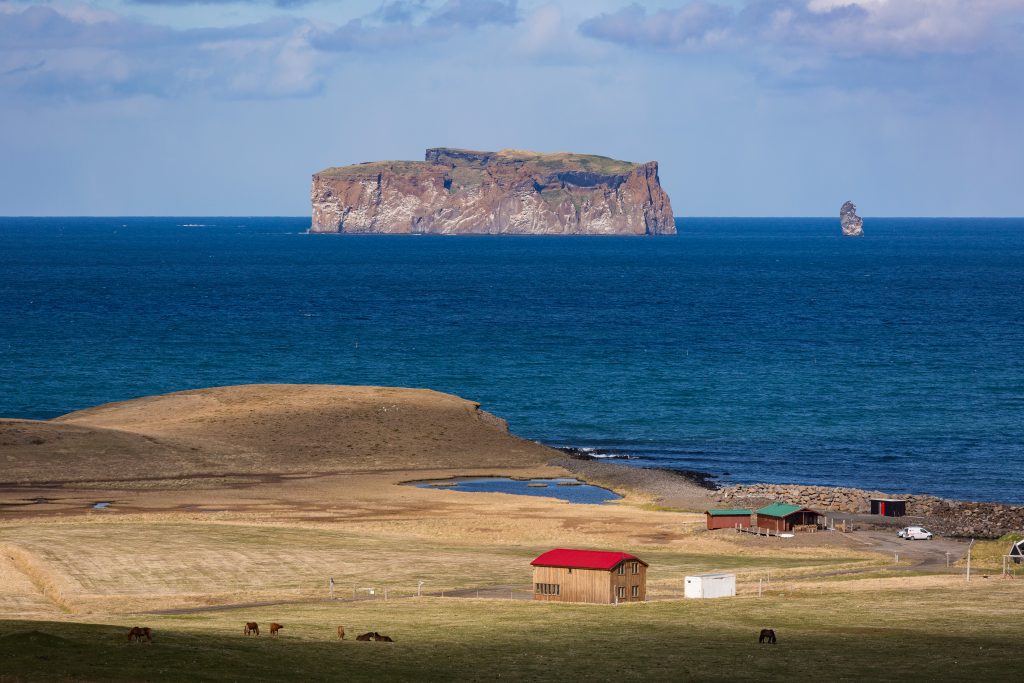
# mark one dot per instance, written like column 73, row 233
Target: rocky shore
column 944, row 517
column 697, row 491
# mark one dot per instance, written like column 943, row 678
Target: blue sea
column 755, row 349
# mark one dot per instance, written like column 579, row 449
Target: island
column 851, row 224
column 511, row 192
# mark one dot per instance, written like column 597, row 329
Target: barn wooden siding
column 628, row 580
column 728, row 521
column 773, row 523
column 592, row 585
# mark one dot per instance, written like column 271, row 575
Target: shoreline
column 692, row 489
column 714, row 482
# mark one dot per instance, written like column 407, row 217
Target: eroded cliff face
column 507, row 192
column 851, row 224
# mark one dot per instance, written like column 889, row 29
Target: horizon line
column 677, row 218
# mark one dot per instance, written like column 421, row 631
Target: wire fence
column 361, row 592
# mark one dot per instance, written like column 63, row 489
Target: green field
column 945, row 633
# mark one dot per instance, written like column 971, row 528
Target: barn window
column 636, row 567
column 622, row 569
column 620, row 591
column 636, row 591
column 548, row 589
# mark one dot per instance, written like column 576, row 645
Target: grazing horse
column 341, row 633
column 138, row 633
column 373, row 635
column 767, row 635
column 275, row 627
column 251, row 627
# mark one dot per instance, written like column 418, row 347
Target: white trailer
column 710, row 586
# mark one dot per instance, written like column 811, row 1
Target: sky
column 751, row 107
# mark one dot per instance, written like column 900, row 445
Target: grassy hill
column 264, row 429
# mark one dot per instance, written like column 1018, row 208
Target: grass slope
column 946, row 633
column 261, row 429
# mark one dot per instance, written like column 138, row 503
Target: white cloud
column 72, row 50
column 844, row 27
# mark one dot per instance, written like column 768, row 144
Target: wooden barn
column 728, row 519
column 888, row 507
column 566, row 575
column 782, row 517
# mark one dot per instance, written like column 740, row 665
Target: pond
column 571, row 490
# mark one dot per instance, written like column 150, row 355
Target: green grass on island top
column 968, row 633
column 536, row 161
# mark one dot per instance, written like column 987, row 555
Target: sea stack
column 852, row 224
column 511, row 192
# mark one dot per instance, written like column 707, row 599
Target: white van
column 915, row 533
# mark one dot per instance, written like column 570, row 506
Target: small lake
column 571, row 490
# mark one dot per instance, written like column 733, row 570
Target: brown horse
column 140, row 632
column 275, row 627
column 251, row 627
column 373, row 635
column 767, row 635
column 341, row 633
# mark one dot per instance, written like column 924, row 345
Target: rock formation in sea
column 461, row 192
column 852, row 224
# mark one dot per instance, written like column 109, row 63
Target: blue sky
column 752, row 107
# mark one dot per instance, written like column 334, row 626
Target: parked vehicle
column 915, row 533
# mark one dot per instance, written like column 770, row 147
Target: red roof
column 583, row 559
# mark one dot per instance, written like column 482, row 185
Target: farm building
column 888, row 507
column 727, row 519
column 565, row 575
column 710, row 586
column 1017, row 552
column 783, row 517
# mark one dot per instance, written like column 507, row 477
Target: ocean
column 766, row 349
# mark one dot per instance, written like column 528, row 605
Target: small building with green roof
column 728, row 519
column 783, row 517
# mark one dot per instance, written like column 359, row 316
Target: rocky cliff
column 456, row 191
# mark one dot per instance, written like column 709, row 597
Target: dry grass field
column 140, row 562
column 253, row 497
